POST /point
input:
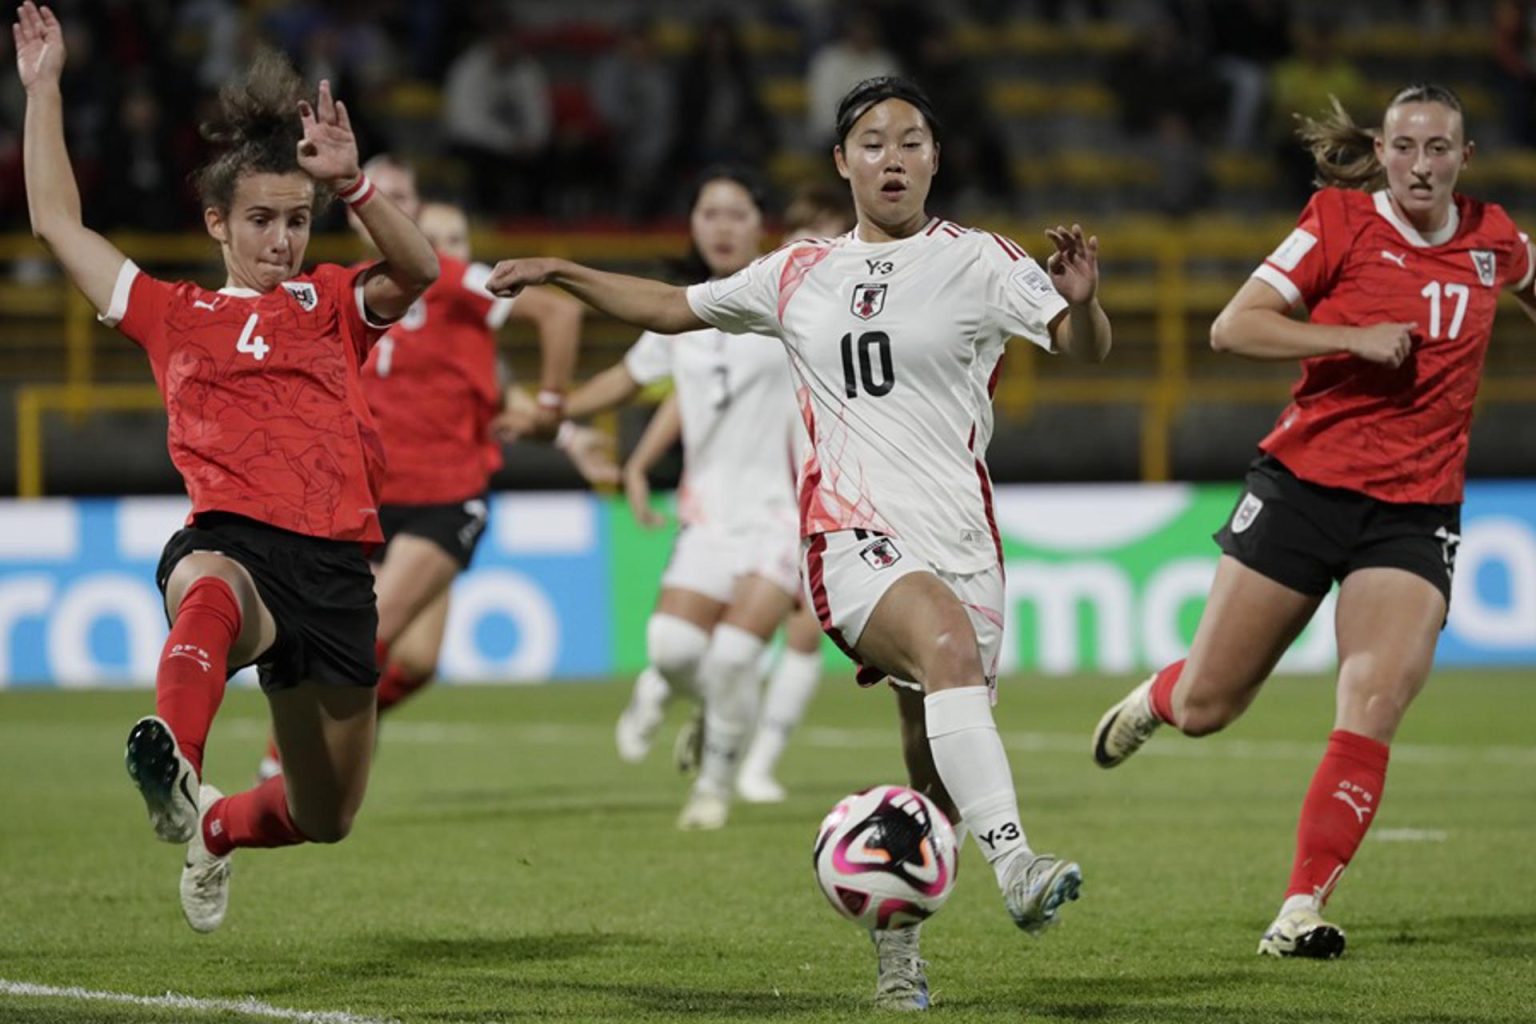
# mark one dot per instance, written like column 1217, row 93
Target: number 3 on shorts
column 252, row 342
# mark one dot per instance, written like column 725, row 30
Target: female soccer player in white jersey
column 894, row 334
column 816, row 211
column 734, row 572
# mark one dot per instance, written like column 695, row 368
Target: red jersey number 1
column 252, row 342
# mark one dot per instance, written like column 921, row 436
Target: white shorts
column 848, row 571
column 709, row 560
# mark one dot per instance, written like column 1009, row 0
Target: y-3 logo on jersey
column 868, row 300
column 879, row 267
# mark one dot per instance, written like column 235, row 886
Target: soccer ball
column 885, row 857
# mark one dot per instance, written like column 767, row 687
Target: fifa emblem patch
column 868, row 301
column 1487, row 266
column 1247, row 511
column 880, row 553
column 303, row 293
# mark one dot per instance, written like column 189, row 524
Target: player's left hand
column 39, row 40
column 1074, row 266
column 512, row 423
column 328, row 150
column 509, row 277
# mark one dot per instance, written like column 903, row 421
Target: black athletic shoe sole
column 153, row 766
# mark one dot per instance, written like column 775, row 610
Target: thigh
column 415, row 571
column 758, row 606
column 325, row 735
column 705, row 562
column 691, row 606
column 982, row 595
column 1248, row 622
column 416, row 649
column 258, row 630
column 1388, row 623
column 921, row 632
column 802, row 632
column 848, row 574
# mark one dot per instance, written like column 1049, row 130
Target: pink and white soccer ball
column 885, row 858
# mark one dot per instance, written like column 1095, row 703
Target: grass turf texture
column 507, row 867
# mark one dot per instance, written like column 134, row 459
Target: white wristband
column 566, row 435
column 549, row 398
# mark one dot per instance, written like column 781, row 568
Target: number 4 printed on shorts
column 252, row 342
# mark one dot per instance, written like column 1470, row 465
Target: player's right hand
column 637, row 489
column 39, row 45
column 509, row 277
column 1387, row 344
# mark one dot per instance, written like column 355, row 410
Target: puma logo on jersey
column 1400, row 260
column 200, row 304
column 1360, row 812
column 868, row 300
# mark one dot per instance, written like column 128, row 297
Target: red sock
column 1340, row 805
column 189, row 685
column 395, row 685
column 1161, row 694
column 257, row 817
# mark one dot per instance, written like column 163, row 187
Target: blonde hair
column 1345, row 153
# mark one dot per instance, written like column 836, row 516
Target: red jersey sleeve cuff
column 376, row 322
column 117, row 308
column 1279, row 282
column 1530, row 264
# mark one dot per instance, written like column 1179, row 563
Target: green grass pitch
column 507, row 867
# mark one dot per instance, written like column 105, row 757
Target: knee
column 414, row 664
column 326, row 828
column 675, row 647
column 729, row 672
column 1204, row 714
column 953, row 659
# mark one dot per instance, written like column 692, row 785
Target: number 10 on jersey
column 864, row 374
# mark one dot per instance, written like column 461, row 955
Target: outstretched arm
column 53, row 200
column 557, row 320
column 328, row 153
column 608, row 390
column 653, row 305
column 1256, row 324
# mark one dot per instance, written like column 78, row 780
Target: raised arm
column 328, row 153
column 1256, row 323
column 660, row 435
column 653, row 305
column 53, row 199
column 1083, row 331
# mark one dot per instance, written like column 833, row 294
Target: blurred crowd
column 581, row 110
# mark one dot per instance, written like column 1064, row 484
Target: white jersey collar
column 240, row 293
column 1410, row 233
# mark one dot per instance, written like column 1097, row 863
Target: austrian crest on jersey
column 303, row 293
column 1484, row 261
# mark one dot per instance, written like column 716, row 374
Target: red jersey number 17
column 252, row 342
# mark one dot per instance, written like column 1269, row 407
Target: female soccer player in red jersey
column 273, row 439
column 433, row 386
column 894, row 332
column 1361, row 480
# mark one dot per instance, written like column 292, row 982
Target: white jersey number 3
column 251, row 342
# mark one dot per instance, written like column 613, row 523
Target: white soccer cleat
column 900, row 983
column 1304, row 933
column 166, row 780
column 1037, row 887
column 756, row 788
column 1125, row 727
column 204, row 876
column 636, row 729
column 688, row 750
column 705, row 811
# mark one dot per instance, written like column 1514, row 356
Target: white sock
column 728, row 676
column 676, row 650
column 790, row 689
column 973, row 766
column 1300, row 901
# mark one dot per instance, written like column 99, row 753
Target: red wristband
column 357, row 193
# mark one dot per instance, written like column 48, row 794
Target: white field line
column 558, row 734
column 1409, row 835
column 248, row 1006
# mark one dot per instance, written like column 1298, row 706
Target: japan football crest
column 880, row 554
column 1487, row 266
column 868, row 300
column 303, row 293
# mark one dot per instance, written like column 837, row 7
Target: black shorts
column 1305, row 536
column 455, row 526
column 320, row 594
